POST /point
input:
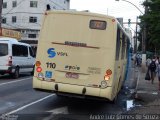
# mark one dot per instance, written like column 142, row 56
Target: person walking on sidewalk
column 152, row 68
column 148, row 62
column 158, row 71
column 157, row 61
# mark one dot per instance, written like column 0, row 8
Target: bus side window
column 118, row 44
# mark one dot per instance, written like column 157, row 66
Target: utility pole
column 1, row 2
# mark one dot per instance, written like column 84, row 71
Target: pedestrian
column 157, row 61
column 158, row 72
column 148, row 61
column 152, row 68
column 138, row 60
column 134, row 57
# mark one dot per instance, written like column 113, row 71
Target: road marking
column 25, row 106
column 15, row 81
column 61, row 110
column 148, row 92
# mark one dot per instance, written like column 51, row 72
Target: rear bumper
column 81, row 96
column 72, row 90
column 65, row 94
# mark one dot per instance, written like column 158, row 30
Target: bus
column 81, row 54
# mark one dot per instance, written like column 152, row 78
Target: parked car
column 15, row 57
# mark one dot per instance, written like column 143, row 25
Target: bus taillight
column 108, row 75
column 113, row 20
column 38, row 63
column 39, row 69
column 108, row 72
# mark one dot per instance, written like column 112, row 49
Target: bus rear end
column 75, row 54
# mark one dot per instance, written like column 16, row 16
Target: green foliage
column 151, row 19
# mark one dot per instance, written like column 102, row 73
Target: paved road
column 15, row 93
column 18, row 97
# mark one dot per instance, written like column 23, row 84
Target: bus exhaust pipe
column 84, row 91
column 56, row 87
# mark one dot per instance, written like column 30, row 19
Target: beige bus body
column 72, row 58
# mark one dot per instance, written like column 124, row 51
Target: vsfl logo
column 52, row 53
column 73, row 68
column 62, row 54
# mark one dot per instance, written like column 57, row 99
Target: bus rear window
column 3, row 49
column 97, row 24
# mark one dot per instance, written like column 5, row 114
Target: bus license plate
column 72, row 75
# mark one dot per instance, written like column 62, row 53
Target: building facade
column 26, row 16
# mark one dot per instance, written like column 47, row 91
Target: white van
column 15, row 57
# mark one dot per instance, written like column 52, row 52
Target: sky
column 111, row 7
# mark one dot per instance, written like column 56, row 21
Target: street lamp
column 144, row 36
column 132, row 4
column 136, row 18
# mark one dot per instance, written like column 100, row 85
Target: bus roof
column 83, row 13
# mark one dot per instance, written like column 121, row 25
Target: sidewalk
column 148, row 95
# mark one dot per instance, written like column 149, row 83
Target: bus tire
column 115, row 100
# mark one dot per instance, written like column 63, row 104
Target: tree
column 151, row 22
